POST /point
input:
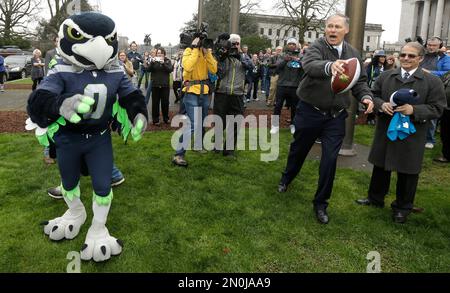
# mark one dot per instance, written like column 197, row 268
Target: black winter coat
column 161, row 73
column 405, row 156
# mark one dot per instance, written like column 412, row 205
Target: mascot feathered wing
column 74, row 107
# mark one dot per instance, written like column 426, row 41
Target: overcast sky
column 163, row 19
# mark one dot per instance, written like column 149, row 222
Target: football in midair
column 342, row 83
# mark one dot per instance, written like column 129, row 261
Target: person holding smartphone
column 160, row 67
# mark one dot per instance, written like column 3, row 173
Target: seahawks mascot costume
column 74, row 107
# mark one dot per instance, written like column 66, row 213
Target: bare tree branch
column 16, row 15
column 306, row 15
column 249, row 7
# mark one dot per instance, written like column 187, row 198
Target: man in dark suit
column 403, row 156
column 321, row 113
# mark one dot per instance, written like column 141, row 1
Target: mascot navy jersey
column 101, row 85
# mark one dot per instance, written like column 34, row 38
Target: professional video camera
column 188, row 36
column 222, row 46
column 418, row 39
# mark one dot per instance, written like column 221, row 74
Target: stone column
column 425, row 19
column 439, row 16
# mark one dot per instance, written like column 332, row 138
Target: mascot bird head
column 88, row 40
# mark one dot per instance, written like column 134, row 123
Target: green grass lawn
column 221, row 215
column 21, row 81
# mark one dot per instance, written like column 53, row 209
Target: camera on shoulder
column 222, row 46
column 188, row 36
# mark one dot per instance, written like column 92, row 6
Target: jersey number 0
column 99, row 93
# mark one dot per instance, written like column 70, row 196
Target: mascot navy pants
column 94, row 149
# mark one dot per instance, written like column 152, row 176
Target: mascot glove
column 30, row 125
column 139, row 127
column 77, row 104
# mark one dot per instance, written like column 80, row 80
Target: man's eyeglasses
column 410, row 56
column 235, row 44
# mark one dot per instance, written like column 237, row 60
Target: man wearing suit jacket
column 321, row 112
column 403, row 156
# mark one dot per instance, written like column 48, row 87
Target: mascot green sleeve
column 74, row 107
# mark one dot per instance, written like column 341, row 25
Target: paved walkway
column 16, row 100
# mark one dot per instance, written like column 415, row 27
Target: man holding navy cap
column 405, row 154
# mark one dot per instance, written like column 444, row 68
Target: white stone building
column 425, row 18
column 271, row 26
column 123, row 42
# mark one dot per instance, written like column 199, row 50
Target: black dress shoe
column 322, row 216
column 367, row 202
column 282, row 188
column 399, row 217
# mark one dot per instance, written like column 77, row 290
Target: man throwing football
column 321, row 113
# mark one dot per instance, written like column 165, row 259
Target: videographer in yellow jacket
column 197, row 62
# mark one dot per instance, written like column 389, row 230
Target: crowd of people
column 298, row 77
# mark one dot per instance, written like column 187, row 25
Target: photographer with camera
column 160, row 67
column 229, row 97
column 197, row 62
column 290, row 73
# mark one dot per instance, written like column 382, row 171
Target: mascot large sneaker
column 68, row 225
column 99, row 245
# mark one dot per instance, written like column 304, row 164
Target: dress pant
column 160, row 96
column 445, row 134
column 406, row 189
column 311, row 124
